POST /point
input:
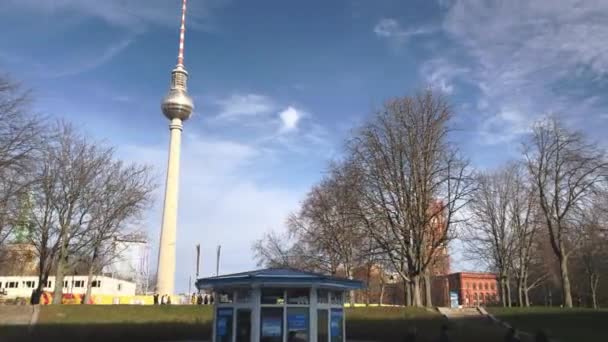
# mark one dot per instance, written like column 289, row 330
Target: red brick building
column 474, row 289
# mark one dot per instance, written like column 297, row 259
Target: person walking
column 155, row 298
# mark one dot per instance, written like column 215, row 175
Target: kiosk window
column 336, row 297
column 273, row 296
column 271, row 325
column 322, row 323
column 322, row 296
column 223, row 325
column 298, row 296
column 337, row 318
column 243, row 295
column 225, row 297
column 243, row 325
column 297, row 324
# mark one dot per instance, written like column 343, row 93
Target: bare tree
column 489, row 237
column 79, row 164
column 593, row 255
column 122, row 193
column 20, row 136
column 413, row 180
column 566, row 170
column 273, row 250
column 525, row 224
column 327, row 225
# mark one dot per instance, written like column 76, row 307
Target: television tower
column 177, row 107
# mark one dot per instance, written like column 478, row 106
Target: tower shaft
column 166, row 255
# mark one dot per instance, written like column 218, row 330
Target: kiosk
column 278, row 305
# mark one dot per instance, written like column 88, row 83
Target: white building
column 22, row 286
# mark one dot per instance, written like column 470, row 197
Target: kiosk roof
column 278, row 277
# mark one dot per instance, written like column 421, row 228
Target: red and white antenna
column 182, row 32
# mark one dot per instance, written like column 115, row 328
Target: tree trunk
column 58, row 293
column 87, row 296
column 566, row 290
column 407, row 299
column 520, row 291
column 381, row 293
column 416, row 295
column 526, row 297
column 594, row 280
column 427, row 290
column 352, row 292
column 503, row 291
column 508, row 286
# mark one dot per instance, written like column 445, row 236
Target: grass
column 565, row 325
column 158, row 323
column 116, row 323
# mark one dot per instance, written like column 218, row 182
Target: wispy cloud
column 89, row 64
column 225, row 198
column 392, row 30
column 440, row 74
column 524, row 55
column 244, row 105
column 135, row 15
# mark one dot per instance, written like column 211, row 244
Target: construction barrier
column 75, row 298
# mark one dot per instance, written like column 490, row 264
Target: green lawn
column 565, row 325
column 157, row 323
column 392, row 324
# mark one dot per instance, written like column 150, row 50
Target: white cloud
column 391, row 29
column 525, row 52
column 224, row 199
column 289, row 119
column 243, row 105
column 439, row 73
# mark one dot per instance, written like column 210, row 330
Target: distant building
column 472, row 288
column 22, row 286
column 18, row 259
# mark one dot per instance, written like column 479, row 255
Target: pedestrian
column 211, row 299
column 541, row 337
column 443, row 335
column 206, row 300
column 193, row 299
column 163, row 299
column 168, row 300
column 155, row 298
column 199, row 299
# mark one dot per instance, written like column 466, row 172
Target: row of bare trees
column 64, row 194
column 393, row 200
column 402, row 191
column 539, row 214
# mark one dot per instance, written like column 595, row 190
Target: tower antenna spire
column 182, row 34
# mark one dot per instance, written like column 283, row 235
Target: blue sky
column 278, row 85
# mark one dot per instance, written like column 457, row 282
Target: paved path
column 16, row 314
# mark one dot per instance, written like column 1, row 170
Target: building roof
column 273, row 277
column 484, row 275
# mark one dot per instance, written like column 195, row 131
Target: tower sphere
column 177, row 104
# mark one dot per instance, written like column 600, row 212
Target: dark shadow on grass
column 114, row 332
column 565, row 325
column 427, row 330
